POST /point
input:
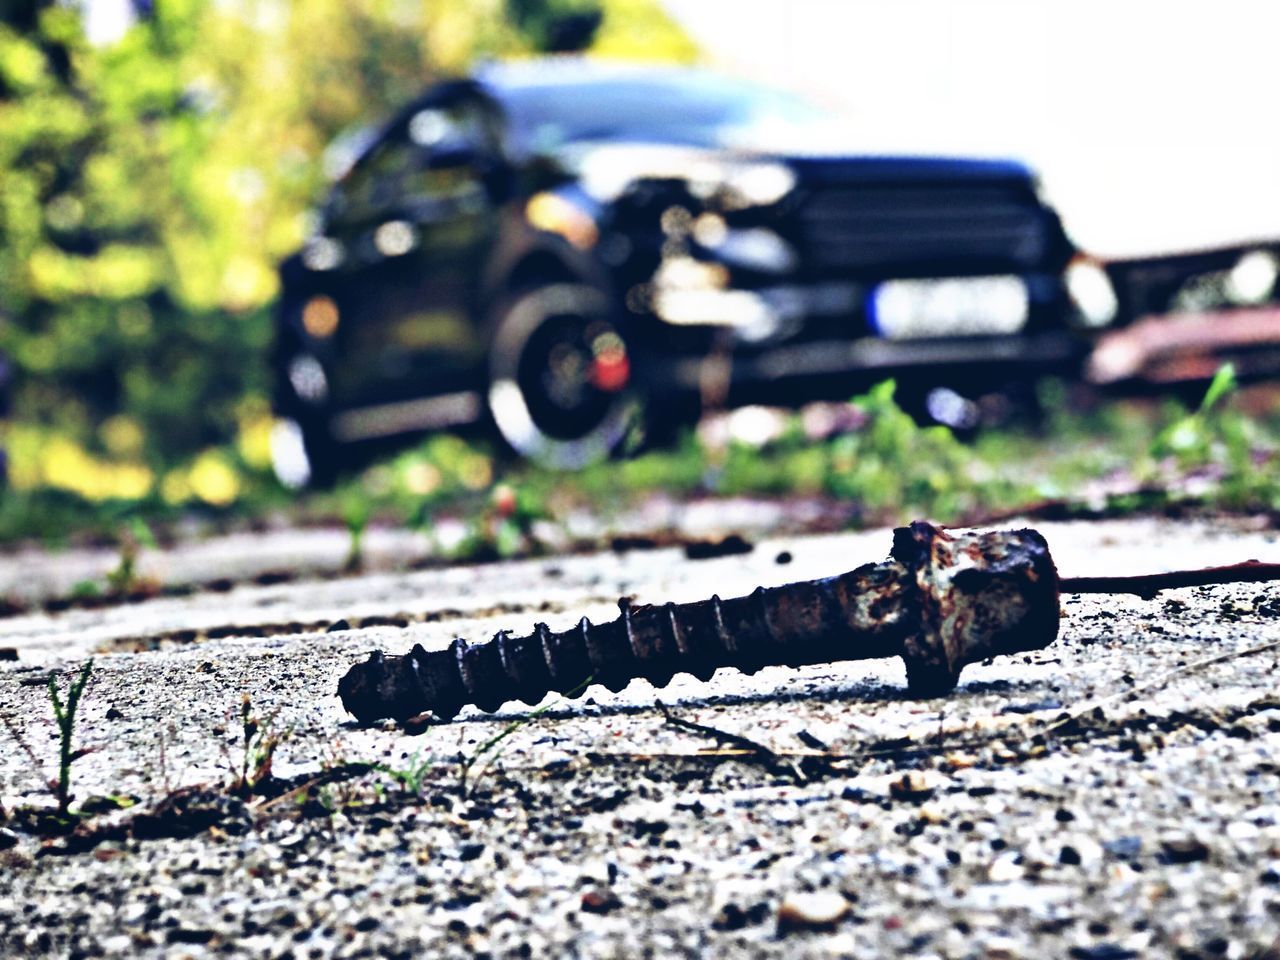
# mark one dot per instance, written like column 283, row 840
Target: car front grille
column 913, row 227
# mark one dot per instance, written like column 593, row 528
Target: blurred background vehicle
column 160, row 161
column 1179, row 317
column 571, row 249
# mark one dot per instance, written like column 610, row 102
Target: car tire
column 560, row 388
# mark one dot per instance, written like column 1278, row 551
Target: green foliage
column 1218, row 440
column 1190, row 438
column 894, row 466
column 149, row 188
column 413, row 775
column 65, row 715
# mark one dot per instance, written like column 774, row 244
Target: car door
column 415, row 216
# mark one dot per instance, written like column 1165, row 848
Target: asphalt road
column 1115, row 795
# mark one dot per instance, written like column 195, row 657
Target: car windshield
column 690, row 109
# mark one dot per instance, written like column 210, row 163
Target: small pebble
column 820, row 910
column 1004, row 869
column 912, row 785
column 596, row 901
column 1183, row 848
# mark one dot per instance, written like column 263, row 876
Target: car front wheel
column 560, row 380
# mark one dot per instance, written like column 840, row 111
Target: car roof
column 575, row 71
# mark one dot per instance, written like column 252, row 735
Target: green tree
column 149, row 188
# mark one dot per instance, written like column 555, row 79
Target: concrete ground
column 1115, row 795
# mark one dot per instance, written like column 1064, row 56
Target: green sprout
column 65, row 714
column 260, row 738
column 132, row 536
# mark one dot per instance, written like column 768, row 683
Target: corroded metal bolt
column 942, row 600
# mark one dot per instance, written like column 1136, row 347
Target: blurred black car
column 558, row 248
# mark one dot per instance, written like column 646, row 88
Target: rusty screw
column 942, row 600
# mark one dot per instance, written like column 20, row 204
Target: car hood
column 606, row 169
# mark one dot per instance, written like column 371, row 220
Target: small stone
column 418, row 724
column 195, row 935
column 8, row 654
column 1002, row 948
column 8, row 839
column 731, row 916
column 1080, row 850
column 912, row 785
column 820, row 910
column 1102, row 951
column 932, row 813
column 1241, row 831
column 1183, row 848
column 1124, row 847
column 1005, row 869
column 598, row 901
column 470, row 851
column 337, row 625
column 783, row 558
column 114, row 714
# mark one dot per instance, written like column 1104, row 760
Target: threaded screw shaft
column 940, row 601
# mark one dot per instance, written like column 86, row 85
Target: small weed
column 259, row 740
column 1190, row 438
column 412, row 776
column 133, row 536
column 86, row 590
column 491, row 745
column 1218, row 441
column 505, row 526
column 65, row 714
column 356, row 510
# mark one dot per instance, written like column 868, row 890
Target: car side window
column 436, row 151
column 374, row 183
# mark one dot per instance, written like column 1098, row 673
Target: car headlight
column 741, row 185
column 754, row 248
column 1253, row 278
column 686, row 273
column 757, row 184
column 1090, row 290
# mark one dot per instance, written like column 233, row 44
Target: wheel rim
column 560, row 374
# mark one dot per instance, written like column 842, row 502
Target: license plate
column 958, row 307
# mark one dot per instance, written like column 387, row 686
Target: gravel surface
column 1115, row 795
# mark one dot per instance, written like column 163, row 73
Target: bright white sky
column 1153, row 122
